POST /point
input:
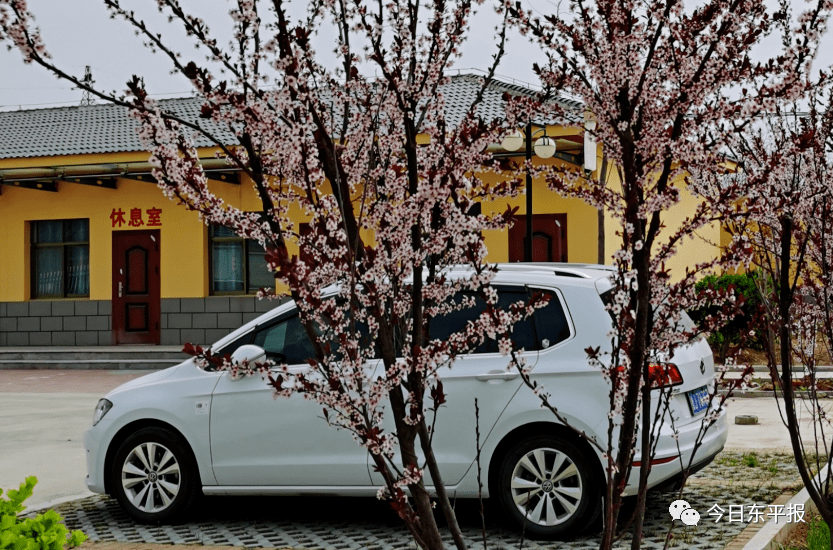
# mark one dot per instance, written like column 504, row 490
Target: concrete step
column 104, row 357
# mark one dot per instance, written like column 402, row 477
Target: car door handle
column 497, row 375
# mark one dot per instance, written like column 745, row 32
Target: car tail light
column 664, row 375
column 661, row 375
column 655, row 461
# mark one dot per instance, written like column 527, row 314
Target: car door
column 259, row 440
column 481, row 374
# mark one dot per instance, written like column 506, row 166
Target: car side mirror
column 250, row 353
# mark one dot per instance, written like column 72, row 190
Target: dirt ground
column 756, row 357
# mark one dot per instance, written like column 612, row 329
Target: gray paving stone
column 40, row 339
column 63, row 338
column 192, row 305
column 170, row 305
column 105, row 307
column 98, row 322
column 75, row 323
column 204, row 320
column 28, row 324
column 3, row 339
column 241, row 304
column 229, row 320
column 214, row 334
column 17, row 339
column 40, row 309
column 105, row 337
column 63, row 308
column 3, row 309
column 17, row 309
column 179, row 320
column 86, row 338
column 217, row 304
column 8, row 324
column 86, row 308
column 52, row 323
column 263, row 306
column 193, row 335
column 249, row 317
column 170, row 337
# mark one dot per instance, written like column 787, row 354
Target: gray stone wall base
column 89, row 323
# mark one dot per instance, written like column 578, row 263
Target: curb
column 39, row 507
column 772, row 534
column 98, row 545
column 752, row 394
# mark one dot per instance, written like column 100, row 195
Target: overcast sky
column 79, row 33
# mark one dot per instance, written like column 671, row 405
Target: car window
column 232, row 346
column 443, row 326
column 285, row 340
column 523, row 333
column 551, row 324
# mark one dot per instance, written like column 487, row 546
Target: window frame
column 558, row 295
column 244, row 245
column 62, row 245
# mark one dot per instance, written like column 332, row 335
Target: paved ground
column 43, row 415
column 366, row 523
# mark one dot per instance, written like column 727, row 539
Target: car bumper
column 95, row 459
column 670, row 473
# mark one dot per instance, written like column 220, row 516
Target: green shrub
column 818, row 535
column 43, row 532
column 750, row 460
column 744, row 284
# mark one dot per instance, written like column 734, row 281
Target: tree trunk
column 439, row 485
column 785, row 296
column 426, row 524
column 641, row 341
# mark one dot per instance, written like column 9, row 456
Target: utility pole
column 87, row 97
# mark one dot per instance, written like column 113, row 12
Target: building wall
column 89, row 322
column 702, row 246
column 582, row 222
column 189, row 313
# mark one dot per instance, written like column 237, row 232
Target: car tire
column 154, row 475
column 558, row 502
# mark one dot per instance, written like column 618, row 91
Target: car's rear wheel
column 154, row 475
column 549, row 486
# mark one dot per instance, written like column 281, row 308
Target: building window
column 60, row 258
column 238, row 265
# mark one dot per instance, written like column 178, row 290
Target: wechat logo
column 682, row 511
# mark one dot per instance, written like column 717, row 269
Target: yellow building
column 92, row 253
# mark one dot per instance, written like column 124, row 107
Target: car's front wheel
column 549, row 486
column 154, row 475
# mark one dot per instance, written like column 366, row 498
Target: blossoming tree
column 787, row 160
column 667, row 87
column 384, row 180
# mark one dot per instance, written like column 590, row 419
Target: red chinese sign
column 136, row 217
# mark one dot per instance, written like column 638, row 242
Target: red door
column 136, row 297
column 549, row 238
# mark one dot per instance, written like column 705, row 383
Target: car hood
column 148, row 379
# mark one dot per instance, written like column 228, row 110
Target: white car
column 161, row 440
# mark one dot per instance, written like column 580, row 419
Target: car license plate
column 698, row 400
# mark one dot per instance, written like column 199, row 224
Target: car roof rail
column 559, row 269
column 565, row 273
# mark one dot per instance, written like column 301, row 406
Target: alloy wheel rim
column 150, row 477
column 546, row 486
